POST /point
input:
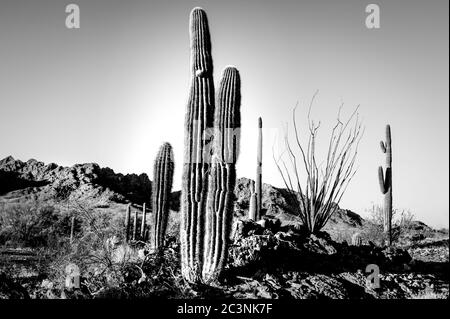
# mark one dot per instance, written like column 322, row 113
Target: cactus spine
column 162, row 187
column 143, row 221
column 258, row 189
column 222, row 179
column 357, row 239
column 385, row 180
column 127, row 223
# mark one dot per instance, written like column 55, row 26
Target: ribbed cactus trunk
column 222, row 179
column 259, row 172
column 135, row 221
column 252, row 202
column 143, row 221
column 385, row 179
column 127, row 223
column 162, row 187
column 198, row 120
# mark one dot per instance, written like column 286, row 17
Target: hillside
column 103, row 188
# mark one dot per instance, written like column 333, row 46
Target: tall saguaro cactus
column 385, row 179
column 222, row 179
column 258, row 181
column 162, row 187
column 208, row 179
column 199, row 118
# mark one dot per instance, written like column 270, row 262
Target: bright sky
column 114, row 90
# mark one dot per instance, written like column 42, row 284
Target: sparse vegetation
column 402, row 224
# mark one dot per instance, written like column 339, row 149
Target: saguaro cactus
column 162, row 186
column 259, row 172
column 135, row 221
column 222, row 180
column 127, row 223
column 357, row 239
column 199, row 118
column 385, row 180
column 252, row 202
column 143, row 221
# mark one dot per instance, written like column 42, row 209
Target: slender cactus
column 127, row 223
column 385, row 180
column 143, row 221
column 357, row 239
column 259, row 172
column 162, row 186
column 222, row 180
column 135, row 221
column 198, row 120
column 252, row 202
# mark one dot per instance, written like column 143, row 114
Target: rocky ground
column 269, row 259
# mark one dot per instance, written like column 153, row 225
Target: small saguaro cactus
column 222, row 178
column 357, row 239
column 198, row 119
column 127, row 222
column 135, row 221
column 385, row 180
column 258, row 189
column 143, row 221
column 162, row 187
column 252, row 202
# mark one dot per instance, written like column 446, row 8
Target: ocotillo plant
column 252, row 202
column 143, row 221
column 259, row 172
column 222, row 179
column 162, row 187
column 385, row 180
column 357, row 239
column 199, row 118
column 127, row 223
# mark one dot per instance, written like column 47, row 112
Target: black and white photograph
column 244, row 151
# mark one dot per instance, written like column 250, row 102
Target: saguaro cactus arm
column 381, row 180
column 222, row 179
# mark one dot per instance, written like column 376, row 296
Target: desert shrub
column 98, row 250
column 402, row 224
column 30, row 224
